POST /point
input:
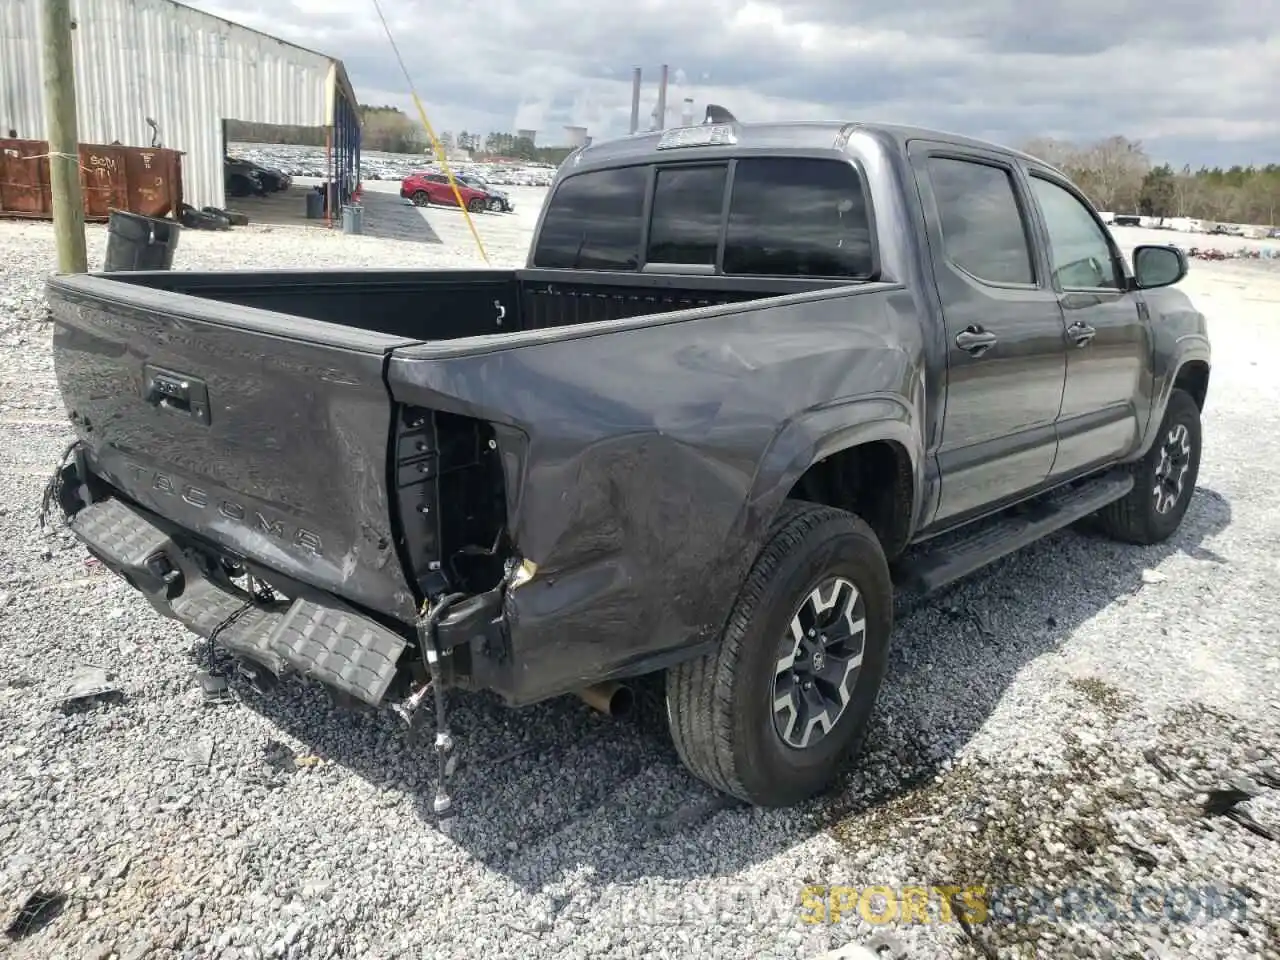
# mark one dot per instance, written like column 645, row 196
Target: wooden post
column 64, row 138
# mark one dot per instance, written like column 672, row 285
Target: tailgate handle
column 176, row 393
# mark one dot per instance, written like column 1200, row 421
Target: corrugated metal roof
column 186, row 69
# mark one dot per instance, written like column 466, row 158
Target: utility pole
column 64, row 138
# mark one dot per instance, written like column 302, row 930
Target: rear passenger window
column 1078, row 248
column 687, row 207
column 982, row 229
column 798, row 217
column 593, row 221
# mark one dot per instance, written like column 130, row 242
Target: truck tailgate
column 263, row 433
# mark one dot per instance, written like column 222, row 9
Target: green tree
column 1159, row 194
column 388, row 128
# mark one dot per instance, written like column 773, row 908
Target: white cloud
column 1194, row 80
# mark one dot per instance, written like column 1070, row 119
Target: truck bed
column 450, row 304
column 255, row 410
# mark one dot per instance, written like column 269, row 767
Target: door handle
column 1081, row 333
column 176, row 393
column 974, row 340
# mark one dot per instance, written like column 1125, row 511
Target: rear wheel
column 240, row 186
column 772, row 713
column 1164, row 480
column 476, row 205
column 420, row 198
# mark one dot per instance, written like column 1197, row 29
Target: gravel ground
column 1014, row 749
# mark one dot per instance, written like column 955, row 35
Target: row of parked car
column 248, row 178
column 245, row 178
column 477, row 194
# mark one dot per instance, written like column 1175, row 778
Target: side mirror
column 1157, row 265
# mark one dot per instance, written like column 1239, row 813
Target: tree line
column 1119, row 177
column 390, row 129
column 383, row 128
column 498, row 144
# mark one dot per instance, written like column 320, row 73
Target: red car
column 425, row 188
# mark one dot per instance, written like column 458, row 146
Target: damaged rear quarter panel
column 645, row 462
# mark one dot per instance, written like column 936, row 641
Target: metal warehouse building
column 186, row 70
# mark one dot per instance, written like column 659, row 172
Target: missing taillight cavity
column 473, row 521
column 451, row 500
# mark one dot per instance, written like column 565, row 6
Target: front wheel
column 772, row 713
column 420, row 198
column 495, row 205
column 1163, row 481
column 476, row 205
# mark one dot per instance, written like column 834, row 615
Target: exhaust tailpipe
column 611, row 698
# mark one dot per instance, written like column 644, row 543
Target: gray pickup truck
column 745, row 368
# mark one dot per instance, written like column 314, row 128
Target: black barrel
column 315, row 204
column 135, row 242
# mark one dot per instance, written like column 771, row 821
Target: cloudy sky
column 1195, row 80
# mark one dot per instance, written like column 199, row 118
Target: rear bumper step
column 323, row 641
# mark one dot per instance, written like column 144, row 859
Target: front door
column 1006, row 359
column 1105, row 404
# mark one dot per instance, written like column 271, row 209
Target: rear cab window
column 594, row 221
column 802, row 217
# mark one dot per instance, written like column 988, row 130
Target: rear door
column 1105, row 405
column 1006, row 357
column 263, row 433
column 438, row 188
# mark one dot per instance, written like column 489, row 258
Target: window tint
column 593, row 221
column 437, row 178
column 982, row 229
column 798, row 217
column 1080, row 254
column 687, row 204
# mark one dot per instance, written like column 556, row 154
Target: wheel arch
column 1193, row 377
column 834, row 456
column 1189, row 369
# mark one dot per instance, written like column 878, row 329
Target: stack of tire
column 210, row 218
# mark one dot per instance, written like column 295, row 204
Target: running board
column 958, row 555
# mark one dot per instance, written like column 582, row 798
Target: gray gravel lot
column 1013, row 748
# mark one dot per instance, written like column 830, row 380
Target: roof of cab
column 790, row 135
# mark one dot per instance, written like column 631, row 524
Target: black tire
column 720, row 707
column 420, row 198
column 1136, row 518
column 476, row 205
column 235, row 219
column 495, row 205
column 240, row 186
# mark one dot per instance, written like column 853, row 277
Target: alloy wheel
column 821, row 655
column 1171, row 470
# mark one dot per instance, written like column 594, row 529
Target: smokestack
column 662, row 100
column 635, row 100
column 686, row 115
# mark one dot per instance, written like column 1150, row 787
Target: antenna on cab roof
column 718, row 114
